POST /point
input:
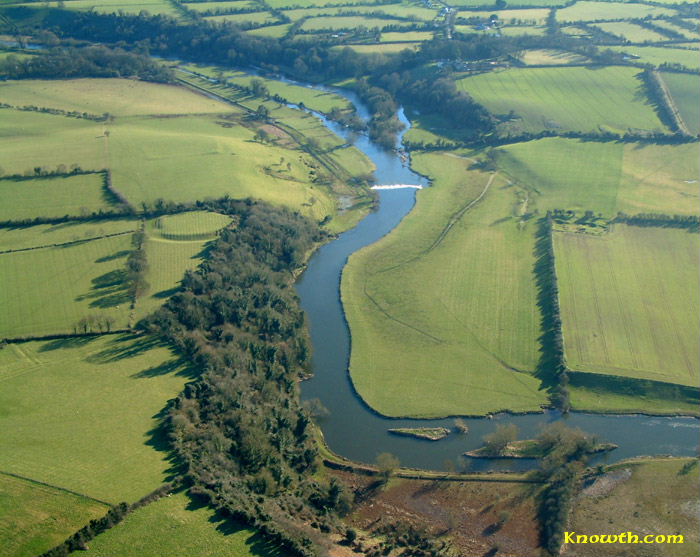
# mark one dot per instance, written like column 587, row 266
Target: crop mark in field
column 399, row 321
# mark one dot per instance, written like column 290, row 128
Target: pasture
column 209, row 154
column 81, row 414
column 408, row 36
column 34, row 517
column 646, row 495
column 176, row 525
column 350, row 22
column 561, row 98
column 20, row 238
column 518, row 30
column 118, row 97
column 258, row 18
column 175, row 244
column 442, row 310
column 658, row 55
column 671, row 26
column 549, row 57
column 631, row 32
column 625, row 302
column 273, row 31
column 54, row 196
column 604, row 177
column 684, row 89
column 596, row 11
column 134, row 7
column 48, row 290
column 533, row 16
column 383, row 48
column 214, row 6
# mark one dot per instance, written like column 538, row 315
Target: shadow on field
column 124, row 346
column 116, row 255
column 176, row 366
column 60, row 343
column 108, row 290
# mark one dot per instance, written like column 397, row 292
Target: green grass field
column 349, row 22
column 594, row 11
column 518, row 30
column 49, row 234
column 684, row 89
column 48, row 290
column 34, row 517
column 81, row 413
column 631, row 32
column 534, row 16
column 408, row 36
column 438, row 318
column 584, row 99
column 209, row 6
column 604, row 177
column 153, row 7
column 52, row 197
column 260, row 18
column 383, row 48
column 486, row 4
column 119, row 97
column 626, row 306
column 176, row 526
column 174, row 245
column 658, row 55
column 650, row 495
column 690, row 35
column 547, row 57
column 152, row 155
column 274, row 31
column 194, row 225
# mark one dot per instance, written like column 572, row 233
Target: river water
column 354, row 430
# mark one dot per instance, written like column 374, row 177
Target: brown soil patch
column 466, row 513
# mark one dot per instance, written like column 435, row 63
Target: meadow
column 626, row 306
column 442, row 310
column 233, row 5
column 658, row 55
column 643, row 496
column 604, row 177
column 53, row 197
column 82, row 414
column 385, row 48
column 45, row 517
column 350, row 22
column 684, row 88
column 688, row 34
column 596, row 11
column 534, row 16
column 23, row 237
column 518, row 30
column 574, row 98
column 210, row 153
column 153, row 7
column 174, row 245
column 549, row 57
column 176, row 525
column 631, row 32
column 274, row 31
column 48, row 290
column 258, row 18
column 408, row 36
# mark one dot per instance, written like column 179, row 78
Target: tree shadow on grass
column 108, row 290
column 157, row 438
column 116, row 255
column 176, row 366
column 124, row 346
column 73, row 342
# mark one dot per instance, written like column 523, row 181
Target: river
column 354, row 430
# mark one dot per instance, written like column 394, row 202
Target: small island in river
column 429, row 433
column 528, row 448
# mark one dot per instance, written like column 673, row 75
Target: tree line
column 239, row 431
column 91, row 61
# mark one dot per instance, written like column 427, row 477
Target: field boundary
column 72, row 242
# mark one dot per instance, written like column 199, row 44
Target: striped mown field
column 628, row 305
column 566, row 98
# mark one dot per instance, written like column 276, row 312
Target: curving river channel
column 357, row 432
